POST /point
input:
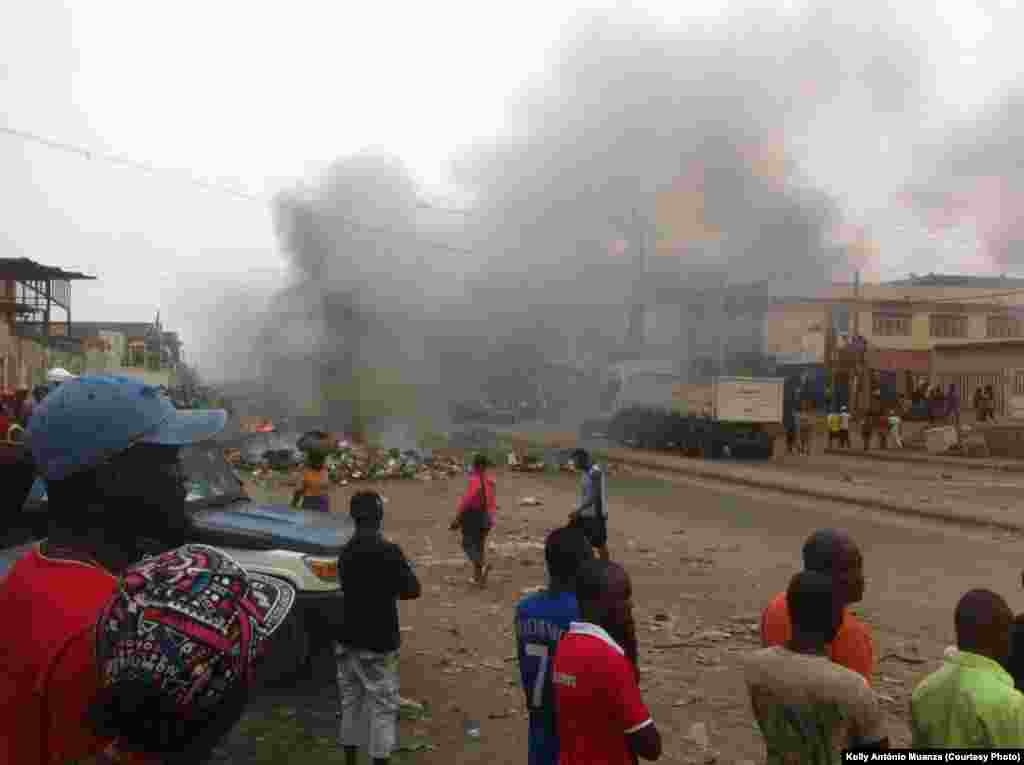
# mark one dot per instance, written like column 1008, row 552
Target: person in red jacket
column 475, row 516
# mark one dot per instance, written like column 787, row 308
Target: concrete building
column 902, row 323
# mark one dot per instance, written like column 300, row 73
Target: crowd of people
column 123, row 658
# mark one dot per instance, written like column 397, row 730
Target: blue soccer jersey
column 541, row 619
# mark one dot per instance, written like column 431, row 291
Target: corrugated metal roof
column 23, row 269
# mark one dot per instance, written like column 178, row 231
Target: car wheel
column 287, row 656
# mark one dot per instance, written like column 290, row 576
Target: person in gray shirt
column 591, row 515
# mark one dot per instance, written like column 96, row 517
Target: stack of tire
column 653, row 428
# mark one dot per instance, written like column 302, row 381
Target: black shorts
column 594, row 529
column 473, row 542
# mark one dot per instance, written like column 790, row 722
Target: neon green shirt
column 968, row 703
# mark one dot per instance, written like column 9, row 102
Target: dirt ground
column 704, row 560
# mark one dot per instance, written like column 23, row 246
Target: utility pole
column 637, row 238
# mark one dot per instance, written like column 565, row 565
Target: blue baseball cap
column 88, row 420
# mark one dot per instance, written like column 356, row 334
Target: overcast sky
column 258, row 95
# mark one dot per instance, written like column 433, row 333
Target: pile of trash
column 552, row 461
column 353, row 462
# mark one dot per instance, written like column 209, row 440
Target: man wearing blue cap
column 108, row 450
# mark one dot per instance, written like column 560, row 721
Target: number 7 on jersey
column 541, row 652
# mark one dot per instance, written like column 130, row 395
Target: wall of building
column 796, row 330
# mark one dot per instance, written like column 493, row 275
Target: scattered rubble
column 351, row 462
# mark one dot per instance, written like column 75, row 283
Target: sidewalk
column 902, row 498
column 923, row 458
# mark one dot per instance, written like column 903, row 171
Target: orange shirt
column 314, row 483
column 48, row 660
column 852, row 647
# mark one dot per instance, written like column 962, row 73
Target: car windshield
column 208, row 476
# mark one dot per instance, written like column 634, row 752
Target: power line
column 92, row 155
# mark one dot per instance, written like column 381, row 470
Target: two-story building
column 903, row 324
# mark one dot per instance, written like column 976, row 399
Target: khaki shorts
column 368, row 694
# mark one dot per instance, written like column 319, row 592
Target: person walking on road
column 108, row 450
column 833, row 553
column 150, row 638
column 844, row 428
column 541, row 620
column 602, row 719
column 374, row 574
column 867, row 428
column 810, row 709
column 475, row 517
column 970, row 702
column 806, row 429
column 591, row 515
column 833, row 429
column 895, row 425
column 953, row 406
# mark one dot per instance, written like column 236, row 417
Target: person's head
column 565, row 550
column 39, row 393
column 107, row 448
column 843, row 410
column 581, row 459
column 814, row 608
column 176, row 649
column 480, row 463
column 835, row 554
column 367, row 510
column 605, row 596
column 982, row 620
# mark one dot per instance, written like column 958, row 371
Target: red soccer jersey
column 48, row 660
column 596, row 697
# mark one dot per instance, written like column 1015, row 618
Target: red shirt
column 48, row 660
column 471, row 499
column 852, row 647
column 597, row 698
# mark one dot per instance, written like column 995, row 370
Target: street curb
column 965, row 462
column 684, row 466
column 902, row 508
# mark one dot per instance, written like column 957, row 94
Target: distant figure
column 808, row 708
column 883, row 428
column 895, row 424
column 989, row 404
column 970, row 702
column 790, row 423
column 867, row 428
column 953, row 406
column 833, row 429
column 806, row 429
column 979, row 415
column 844, row 428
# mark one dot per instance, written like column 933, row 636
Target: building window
column 948, row 325
column 1004, row 326
column 890, row 324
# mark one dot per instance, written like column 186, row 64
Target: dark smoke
column 630, row 108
